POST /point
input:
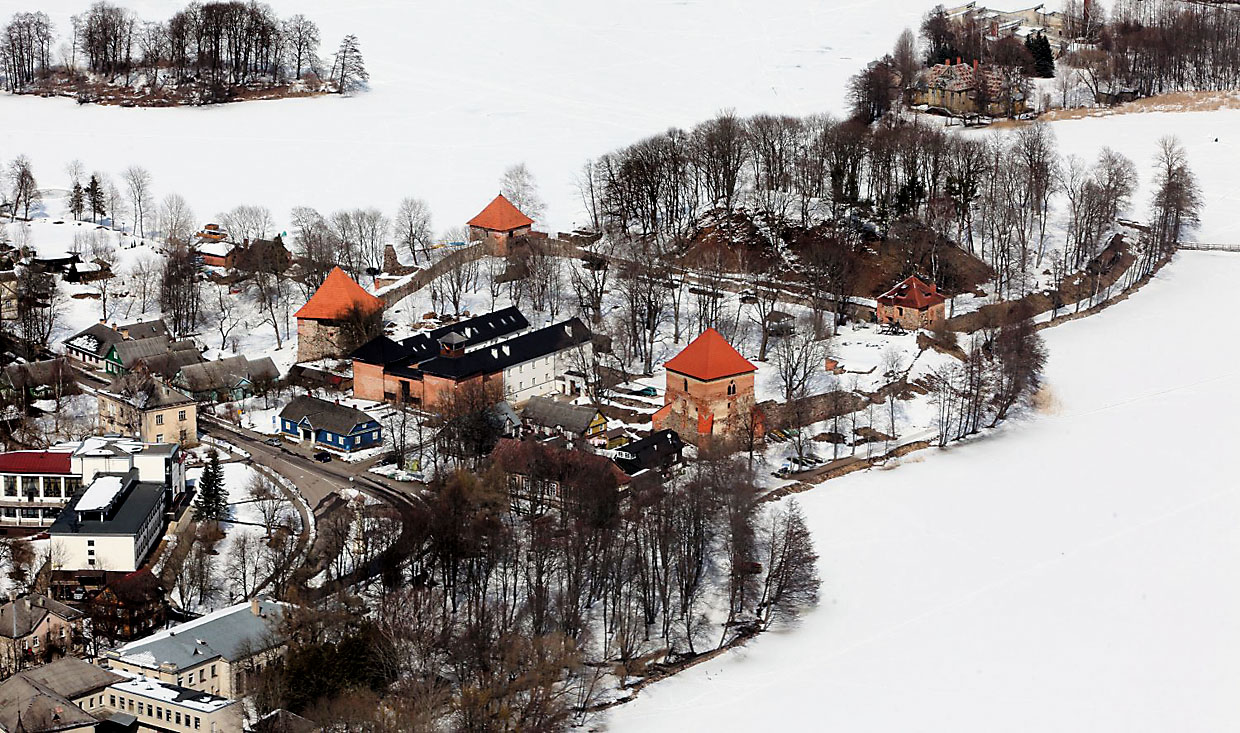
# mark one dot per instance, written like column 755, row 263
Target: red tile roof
column 500, row 216
column 709, row 357
column 336, row 296
column 912, row 293
column 35, row 461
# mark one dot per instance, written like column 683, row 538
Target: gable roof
column 28, row 705
column 39, row 373
column 232, row 633
column 470, row 332
column 28, row 612
column 144, row 392
column 550, row 413
column 73, row 677
column 651, row 452
column 36, row 461
column 225, row 374
column 144, row 329
column 500, row 216
column 913, row 292
column 324, row 415
column 553, row 462
column 523, row 348
column 708, row 357
column 97, row 339
column 338, row 294
column 137, row 588
column 130, row 352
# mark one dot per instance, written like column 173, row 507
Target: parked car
column 646, row 392
column 323, row 457
column 276, row 442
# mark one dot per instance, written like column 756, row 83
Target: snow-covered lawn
column 1074, row 571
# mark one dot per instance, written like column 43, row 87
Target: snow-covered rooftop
column 100, row 494
column 144, row 686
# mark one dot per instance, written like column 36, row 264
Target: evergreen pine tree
column 211, row 503
column 1043, row 56
column 77, row 201
column 95, row 199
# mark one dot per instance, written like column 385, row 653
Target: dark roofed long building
column 495, row 348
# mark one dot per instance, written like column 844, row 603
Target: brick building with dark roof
column 913, row 304
column 493, row 349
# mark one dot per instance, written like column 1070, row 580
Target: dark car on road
column 323, row 457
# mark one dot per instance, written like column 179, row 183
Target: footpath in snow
column 1072, row 572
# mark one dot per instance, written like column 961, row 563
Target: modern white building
column 36, row 485
column 112, row 525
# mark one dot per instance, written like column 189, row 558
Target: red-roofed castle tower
column 707, row 384
column 322, row 319
column 497, row 223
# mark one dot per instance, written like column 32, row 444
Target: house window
column 52, row 489
column 731, row 388
column 899, row 311
column 196, row 722
column 10, row 486
column 159, row 419
column 181, row 415
column 159, row 438
column 686, row 385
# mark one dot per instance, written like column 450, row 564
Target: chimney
column 975, row 67
column 254, row 607
column 957, row 61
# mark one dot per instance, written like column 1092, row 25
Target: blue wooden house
column 329, row 425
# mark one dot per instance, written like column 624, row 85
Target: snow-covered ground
column 462, row 90
column 1071, row 572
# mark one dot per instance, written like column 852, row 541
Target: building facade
column 139, row 406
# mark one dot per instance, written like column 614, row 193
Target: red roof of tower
column 336, row 296
column 708, row 357
column 912, row 293
column 35, row 461
column 500, row 216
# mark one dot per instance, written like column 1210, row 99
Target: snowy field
column 1069, row 573
column 462, row 90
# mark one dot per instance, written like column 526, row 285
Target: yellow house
column 139, row 406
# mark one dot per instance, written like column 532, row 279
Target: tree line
column 214, row 46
